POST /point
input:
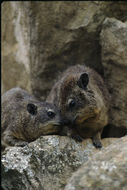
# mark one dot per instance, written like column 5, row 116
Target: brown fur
column 90, row 114
column 19, row 126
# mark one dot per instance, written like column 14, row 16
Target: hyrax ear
column 83, row 80
column 32, row 109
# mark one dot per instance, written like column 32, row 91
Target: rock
column 46, row 163
column 61, row 32
column 114, row 61
column 64, row 34
column 105, row 170
column 40, row 40
column 15, row 46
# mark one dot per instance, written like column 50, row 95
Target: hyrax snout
column 24, row 118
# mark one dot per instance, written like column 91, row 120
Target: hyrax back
column 82, row 97
column 24, row 118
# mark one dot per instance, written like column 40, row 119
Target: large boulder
column 41, row 39
column 15, row 46
column 46, row 163
column 105, row 170
column 114, row 61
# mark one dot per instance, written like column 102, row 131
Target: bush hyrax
column 82, row 97
column 24, row 118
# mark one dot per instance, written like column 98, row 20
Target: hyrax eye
column 71, row 103
column 51, row 114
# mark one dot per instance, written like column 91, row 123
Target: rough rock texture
column 114, row 60
column 41, row 39
column 46, row 163
column 106, row 170
column 64, row 34
column 15, row 46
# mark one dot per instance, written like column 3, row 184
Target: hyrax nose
column 66, row 122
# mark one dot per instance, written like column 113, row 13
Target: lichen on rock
column 46, row 163
column 105, row 170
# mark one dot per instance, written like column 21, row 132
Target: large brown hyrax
column 82, row 97
column 24, row 118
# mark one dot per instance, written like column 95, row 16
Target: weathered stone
column 114, row 60
column 46, row 163
column 59, row 37
column 41, row 39
column 105, row 170
column 64, row 34
column 15, row 46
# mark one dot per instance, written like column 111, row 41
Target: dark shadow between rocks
column 112, row 131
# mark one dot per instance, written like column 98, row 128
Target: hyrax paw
column 97, row 144
column 77, row 138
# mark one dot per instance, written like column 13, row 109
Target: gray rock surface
column 114, row 60
column 46, row 163
column 41, row 39
column 15, row 46
column 105, row 170
column 64, row 34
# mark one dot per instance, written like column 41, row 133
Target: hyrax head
column 77, row 98
column 42, row 119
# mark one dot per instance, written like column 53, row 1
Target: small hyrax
column 82, row 98
column 24, row 118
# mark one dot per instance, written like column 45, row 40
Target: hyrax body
column 24, row 118
column 82, row 97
